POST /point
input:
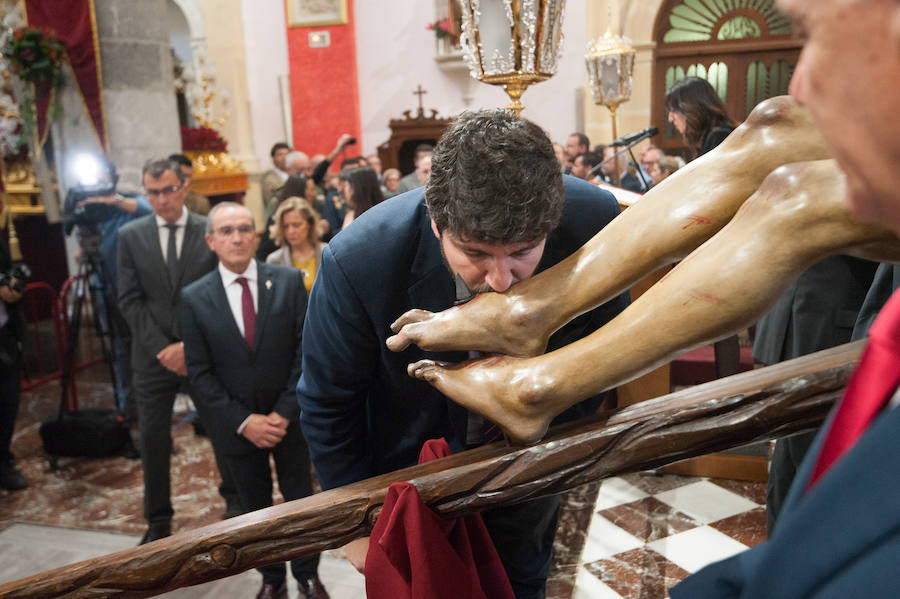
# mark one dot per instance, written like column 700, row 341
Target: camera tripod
column 89, row 286
column 90, row 432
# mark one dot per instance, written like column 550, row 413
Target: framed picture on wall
column 314, row 13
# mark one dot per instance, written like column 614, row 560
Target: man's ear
column 434, row 228
column 209, row 242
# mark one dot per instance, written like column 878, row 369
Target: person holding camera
column 99, row 210
column 12, row 288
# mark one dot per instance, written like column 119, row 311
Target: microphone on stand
column 633, row 138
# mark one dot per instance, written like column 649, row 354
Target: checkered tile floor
column 648, row 532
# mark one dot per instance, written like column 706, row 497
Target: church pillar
column 138, row 87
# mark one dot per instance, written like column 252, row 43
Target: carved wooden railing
column 744, row 408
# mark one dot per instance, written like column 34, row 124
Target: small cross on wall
column 420, row 92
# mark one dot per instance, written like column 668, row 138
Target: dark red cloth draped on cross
column 416, row 554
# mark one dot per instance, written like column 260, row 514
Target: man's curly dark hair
column 495, row 179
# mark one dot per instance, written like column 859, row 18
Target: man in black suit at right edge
column 242, row 326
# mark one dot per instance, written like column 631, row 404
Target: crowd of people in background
column 696, row 112
column 611, row 165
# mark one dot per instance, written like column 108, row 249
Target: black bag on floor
column 92, row 433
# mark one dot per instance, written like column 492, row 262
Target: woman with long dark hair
column 296, row 186
column 361, row 191
column 698, row 113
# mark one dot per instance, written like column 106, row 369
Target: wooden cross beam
column 748, row 407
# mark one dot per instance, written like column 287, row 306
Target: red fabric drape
column 417, row 554
column 869, row 389
column 73, row 23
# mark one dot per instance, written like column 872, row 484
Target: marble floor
column 629, row 537
column 648, row 532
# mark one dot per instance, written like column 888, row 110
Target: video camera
column 20, row 273
column 96, row 177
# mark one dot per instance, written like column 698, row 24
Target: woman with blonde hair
column 295, row 229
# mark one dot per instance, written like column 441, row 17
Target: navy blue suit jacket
column 361, row 413
column 230, row 380
column 839, row 540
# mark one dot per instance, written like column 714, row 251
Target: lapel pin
column 268, row 284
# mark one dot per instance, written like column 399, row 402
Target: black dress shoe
column 130, row 451
column 156, row 531
column 273, row 591
column 312, row 588
column 11, row 478
column 232, row 510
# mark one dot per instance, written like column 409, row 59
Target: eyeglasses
column 165, row 191
column 227, row 230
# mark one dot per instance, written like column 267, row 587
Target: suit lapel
column 431, row 285
column 858, row 499
column 188, row 244
column 218, row 301
column 265, row 287
column 154, row 251
column 431, row 288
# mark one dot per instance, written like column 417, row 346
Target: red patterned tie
column 872, row 384
column 249, row 312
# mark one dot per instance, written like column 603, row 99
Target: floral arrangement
column 441, row 28
column 202, row 139
column 11, row 145
column 34, row 55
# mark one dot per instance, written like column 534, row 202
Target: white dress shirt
column 163, row 231
column 234, row 291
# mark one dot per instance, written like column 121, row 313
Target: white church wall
column 635, row 20
column 265, row 42
column 179, row 33
column 395, row 53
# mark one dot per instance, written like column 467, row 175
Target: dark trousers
column 9, row 391
column 786, row 459
column 154, row 390
column 122, row 362
column 255, row 491
column 523, row 535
